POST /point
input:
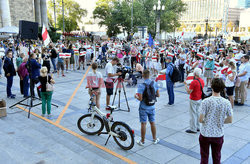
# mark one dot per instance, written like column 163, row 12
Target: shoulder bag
column 49, row 87
column 203, row 95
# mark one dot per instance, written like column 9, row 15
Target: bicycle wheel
column 126, row 136
column 89, row 126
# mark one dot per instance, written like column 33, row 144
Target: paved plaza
column 37, row 140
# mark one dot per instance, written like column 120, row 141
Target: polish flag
column 45, row 36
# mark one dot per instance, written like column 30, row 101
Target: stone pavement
column 34, row 140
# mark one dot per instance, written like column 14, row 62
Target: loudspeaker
column 28, row 30
column 236, row 39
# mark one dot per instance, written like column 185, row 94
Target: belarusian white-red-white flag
column 45, row 36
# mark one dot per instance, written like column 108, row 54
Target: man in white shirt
column 110, row 75
column 244, row 71
column 182, row 61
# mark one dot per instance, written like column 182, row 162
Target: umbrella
column 10, row 30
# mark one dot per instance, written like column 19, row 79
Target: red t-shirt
column 195, row 86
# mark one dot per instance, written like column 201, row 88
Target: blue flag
column 150, row 40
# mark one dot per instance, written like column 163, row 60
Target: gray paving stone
column 183, row 139
column 152, row 152
column 247, row 161
column 184, row 159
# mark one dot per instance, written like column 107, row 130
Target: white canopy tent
column 10, row 30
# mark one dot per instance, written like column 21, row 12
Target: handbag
column 49, row 87
column 203, row 95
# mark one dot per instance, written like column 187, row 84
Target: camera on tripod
column 124, row 71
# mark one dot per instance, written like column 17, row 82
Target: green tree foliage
column 116, row 15
column 73, row 14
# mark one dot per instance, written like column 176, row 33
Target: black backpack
column 176, row 75
column 149, row 94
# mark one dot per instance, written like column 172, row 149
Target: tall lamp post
column 63, row 16
column 55, row 12
column 206, row 20
column 158, row 8
column 132, row 19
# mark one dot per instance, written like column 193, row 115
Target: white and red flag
column 45, row 36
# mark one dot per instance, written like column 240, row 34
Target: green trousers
column 46, row 99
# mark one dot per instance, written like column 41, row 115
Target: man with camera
column 110, row 74
column 33, row 66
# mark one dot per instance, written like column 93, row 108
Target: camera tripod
column 31, row 97
column 119, row 86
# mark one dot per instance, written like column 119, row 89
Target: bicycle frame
column 107, row 122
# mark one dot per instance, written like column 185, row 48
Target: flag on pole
column 45, row 36
column 150, row 40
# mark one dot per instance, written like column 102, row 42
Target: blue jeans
column 143, row 63
column 53, row 60
column 26, row 86
column 182, row 73
column 9, row 85
column 170, row 88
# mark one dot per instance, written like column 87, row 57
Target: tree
column 198, row 28
column 116, row 15
column 73, row 14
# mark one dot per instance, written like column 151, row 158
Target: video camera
column 124, row 71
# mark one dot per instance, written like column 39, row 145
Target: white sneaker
column 42, row 115
column 140, row 143
column 156, row 141
column 49, row 116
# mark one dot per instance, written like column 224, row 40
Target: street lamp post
column 55, row 12
column 63, row 16
column 206, row 27
column 158, row 8
column 132, row 15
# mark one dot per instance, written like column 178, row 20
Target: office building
column 11, row 11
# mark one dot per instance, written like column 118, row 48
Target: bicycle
column 96, row 120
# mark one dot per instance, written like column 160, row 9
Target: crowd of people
column 224, row 70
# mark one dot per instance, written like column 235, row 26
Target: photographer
column 109, row 78
column 34, row 66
